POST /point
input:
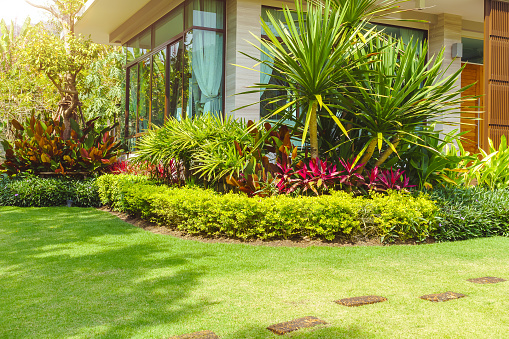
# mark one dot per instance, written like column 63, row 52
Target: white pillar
column 443, row 34
column 242, row 17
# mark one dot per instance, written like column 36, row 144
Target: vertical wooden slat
column 496, row 58
column 472, row 74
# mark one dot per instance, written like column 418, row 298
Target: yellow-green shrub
column 336, row 216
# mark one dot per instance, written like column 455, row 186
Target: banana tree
column 7, row 36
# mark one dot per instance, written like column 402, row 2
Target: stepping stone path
column 359, row 301
column 290, row 326
column 446, row 296
column 197, row 335
column 486, row 280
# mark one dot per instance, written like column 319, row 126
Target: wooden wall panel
column 471, row 109
column 497, row 70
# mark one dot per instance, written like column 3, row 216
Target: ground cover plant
column 471, row 212
column 32, row 191
column 81, row 273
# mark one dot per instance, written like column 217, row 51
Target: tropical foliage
column 39, row 147
column 357, row 90
column 206, row 146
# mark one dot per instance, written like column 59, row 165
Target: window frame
column 166, row 45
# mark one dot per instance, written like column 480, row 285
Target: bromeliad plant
column 171, row 174
column 39, row 147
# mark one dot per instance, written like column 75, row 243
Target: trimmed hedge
column 43, row 192
column 396, row 216
column 472, row 212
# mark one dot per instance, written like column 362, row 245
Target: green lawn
column 82, row 273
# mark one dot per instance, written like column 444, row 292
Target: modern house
column 181, row 54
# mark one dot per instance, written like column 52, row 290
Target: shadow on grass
column 87, row 274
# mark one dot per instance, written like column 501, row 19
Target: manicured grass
column 82, row 273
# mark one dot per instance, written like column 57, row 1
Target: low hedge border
column 34, row 191
column 392, row 217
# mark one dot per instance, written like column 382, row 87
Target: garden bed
column 297, row 242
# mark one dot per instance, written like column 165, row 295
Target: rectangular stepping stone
column 289, row 326
column 486, row 280
column 359, row 301
column 446, row 296
column 197, row 335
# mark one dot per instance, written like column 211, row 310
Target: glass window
column 158, row 87
column 473, row 50
column 129, row 53
column 145, row 41
column 131, row 144
column 205, row 76
column 144, row 96
column 175, row 93
column 183, row 79
column 406, row 34
column 133, row 99
column 278, row 14
column 169, row 27
column 205, row 13
column 139, row 46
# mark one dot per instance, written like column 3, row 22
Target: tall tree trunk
column 367, row 155
column 388, row 151
column 313, row 131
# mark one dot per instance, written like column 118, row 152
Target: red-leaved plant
column 171, row 174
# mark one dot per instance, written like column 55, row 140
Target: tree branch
column 59, row 88
column 46, row 8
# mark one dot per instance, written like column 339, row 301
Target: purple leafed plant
column 351, row 178
column 316, row 176
column 388, row 179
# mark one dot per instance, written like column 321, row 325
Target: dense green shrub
column 471, row 213
column 111, row 188
column 40, row 192
column 336, row 216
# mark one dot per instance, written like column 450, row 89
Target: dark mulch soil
column 289, row 326
column 305, row 242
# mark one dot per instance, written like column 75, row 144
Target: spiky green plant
column 397, row 94
column 312, row 57
column 204, row 144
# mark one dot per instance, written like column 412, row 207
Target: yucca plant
column 399, row 92
column 312, row 57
